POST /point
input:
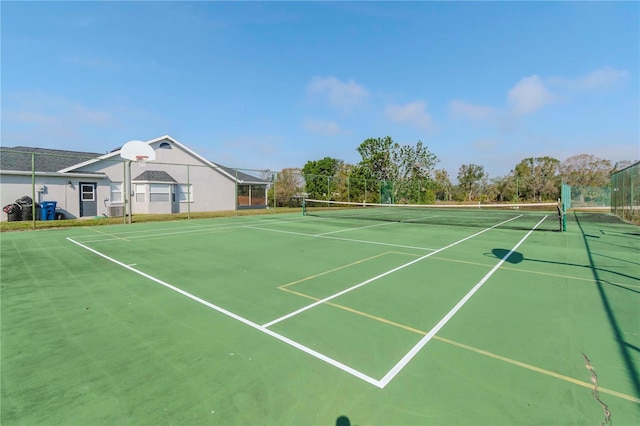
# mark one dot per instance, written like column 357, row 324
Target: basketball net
column 142, row 160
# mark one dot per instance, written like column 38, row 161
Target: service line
column 377, row 277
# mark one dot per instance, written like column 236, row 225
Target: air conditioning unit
column 116, row 211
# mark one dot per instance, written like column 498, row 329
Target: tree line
column 392, row 173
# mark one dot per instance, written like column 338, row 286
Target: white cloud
column 50, row 120
column 30, row 117
column 413, row 113
column 327, row 128
column 344, row 96
column 45, row 109
column 602, row 78
column 529, row 95
column 465, row 110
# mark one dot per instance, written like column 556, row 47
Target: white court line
column 191, row 230
column 353, row 229
column 338, row 238
column 413, row 352
column 271, row 333
column 384, row 274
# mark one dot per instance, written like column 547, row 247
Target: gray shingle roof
column 46, row 160
column 52, row 160
column 154, row 176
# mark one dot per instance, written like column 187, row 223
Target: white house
column 85, row 184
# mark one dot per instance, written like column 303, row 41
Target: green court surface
column 298, row 320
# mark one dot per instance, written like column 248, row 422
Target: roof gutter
column 53, row 174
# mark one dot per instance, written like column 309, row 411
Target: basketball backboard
column 137, row 151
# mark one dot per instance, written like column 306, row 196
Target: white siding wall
column 212, row 189
column 56, row 189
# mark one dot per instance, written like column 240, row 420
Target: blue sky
column 275, row 84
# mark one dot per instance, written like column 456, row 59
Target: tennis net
column 509, row 216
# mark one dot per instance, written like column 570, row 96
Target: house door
column 175, row 204
column 88, row 201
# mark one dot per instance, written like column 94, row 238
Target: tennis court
column 324, row 319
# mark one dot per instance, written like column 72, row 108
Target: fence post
column 189, row 195
column 33, row 190
column 125, row 196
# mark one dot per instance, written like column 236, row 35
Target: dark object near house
column 13, row 211
column 22, row 209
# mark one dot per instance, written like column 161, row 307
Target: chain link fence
column 591, row 197
column 38, row 185
column 625, row 193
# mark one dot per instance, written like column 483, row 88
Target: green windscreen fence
column 565, row 200
column 625, row 193
column 386, row 192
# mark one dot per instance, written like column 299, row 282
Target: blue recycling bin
column 48, row 210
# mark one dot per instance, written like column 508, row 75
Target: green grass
column 138, row 218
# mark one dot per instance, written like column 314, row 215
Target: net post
column 561, row 216
column 304, row 207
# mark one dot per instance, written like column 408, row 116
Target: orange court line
column 528, row 271
column 284, row 286
column 473, row 349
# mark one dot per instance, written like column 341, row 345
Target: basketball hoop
column 142, row 160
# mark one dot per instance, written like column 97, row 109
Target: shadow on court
column 343, row 421
column 517, row 257
column 623, row 346
column 500, row 253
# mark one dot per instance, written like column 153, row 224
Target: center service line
column 326, row 299
column 409, row 356
column 258, row 327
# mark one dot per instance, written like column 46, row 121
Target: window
column 116, row 192
column 140, row 191
column 185, row 193
column 165, row 145
column 252, row 195
column 258, row 195
column 159, row 192
column 88, row 192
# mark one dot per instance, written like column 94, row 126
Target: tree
column 622, row 165
column 287, row 186
column 319, row 177
column 538, row 178
column 378, row 158
column 443, row 186
column 469, row 178
column 500, row 189
column 586, row 170
column 403, row 171
column 341, row 182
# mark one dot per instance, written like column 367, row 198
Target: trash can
column 27, row 211
column 13, row 211
column 48, row 211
